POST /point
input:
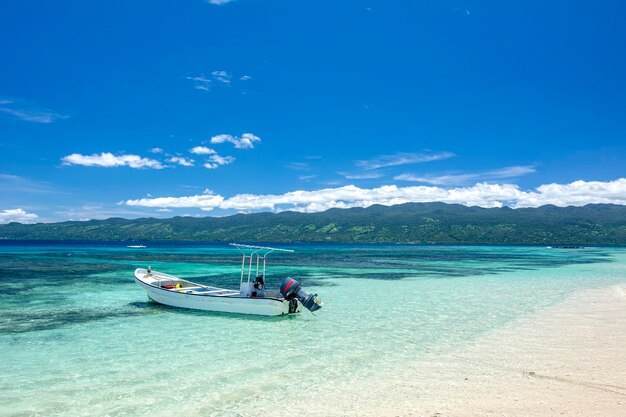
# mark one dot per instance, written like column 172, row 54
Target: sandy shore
column 566, row 360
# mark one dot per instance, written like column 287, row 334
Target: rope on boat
column 615, row 389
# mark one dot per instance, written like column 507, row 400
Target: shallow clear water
column 78, row 337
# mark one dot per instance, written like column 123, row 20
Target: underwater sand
column 568, row 359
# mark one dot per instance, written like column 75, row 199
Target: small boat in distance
column 566, row 247
column 136, row 246
column 252, row 297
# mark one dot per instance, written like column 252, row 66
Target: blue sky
column 161, row 108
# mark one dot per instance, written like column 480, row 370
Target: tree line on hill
column 593, row 224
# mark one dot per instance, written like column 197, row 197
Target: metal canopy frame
column 249, row 252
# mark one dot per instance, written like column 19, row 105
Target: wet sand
column 566, row 360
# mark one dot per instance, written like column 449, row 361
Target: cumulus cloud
column 458, row 179
column 577, row 193
column 156, row 150
column 17, row 215
column 246, row 141
column 482, row 194
column 206, row 202
column 108, row 160
column 216, row 160
column 202, row 150
column 186, row 162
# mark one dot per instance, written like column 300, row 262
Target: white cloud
column 199, row 78
column 348, row 196
column 299, row 166
column 459, row 179
column 246, row 141
column 98, row 211
column 202, row 150
column 365, row 176
column 156, row 150
column 35, row 116
column 219, row 2
column 29, row 112
column 201, row 83
column 17, row 215
column 482, row 194
column 577, row 193
column 402, row 158
column 108, row 160
column 513, row 171
column 307, row 177
column 222, row 76
column 204, row 202
column 215, row 161
column 17, row 184
column 186, row 162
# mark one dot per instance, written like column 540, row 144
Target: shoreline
column 567, row 359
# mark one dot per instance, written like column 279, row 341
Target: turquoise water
column 78, row 337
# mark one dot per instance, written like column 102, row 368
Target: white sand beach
column 566, row 360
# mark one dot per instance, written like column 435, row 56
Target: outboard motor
column 290, row 288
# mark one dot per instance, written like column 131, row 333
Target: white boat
column 136, row 246
column 251, row 298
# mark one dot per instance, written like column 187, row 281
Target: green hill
column 404, row 223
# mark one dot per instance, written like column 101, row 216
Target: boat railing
column 253, row 254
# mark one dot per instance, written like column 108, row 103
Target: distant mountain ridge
column 403, row 223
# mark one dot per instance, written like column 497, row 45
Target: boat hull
column 226, row 304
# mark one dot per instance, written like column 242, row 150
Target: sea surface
column 79, row 337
